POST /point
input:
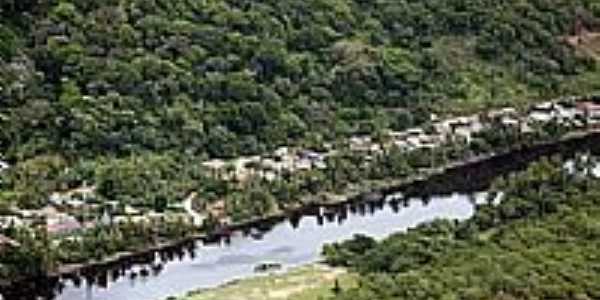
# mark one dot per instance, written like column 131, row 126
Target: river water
column 298, row 241
column 289, row 243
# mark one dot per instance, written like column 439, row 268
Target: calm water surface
column 216, row 264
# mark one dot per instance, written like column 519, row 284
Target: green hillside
column 155, row 86
column 539, row 243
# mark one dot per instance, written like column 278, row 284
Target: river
column 298, row 240
column 289, row 243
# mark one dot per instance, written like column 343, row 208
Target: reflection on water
column 298, row 240
column 295, row 242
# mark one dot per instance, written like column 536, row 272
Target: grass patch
column 310, row 282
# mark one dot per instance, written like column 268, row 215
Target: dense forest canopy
column 538, row 243
column 122, row 81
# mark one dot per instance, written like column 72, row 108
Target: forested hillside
column 153, row 86
column 539, row 243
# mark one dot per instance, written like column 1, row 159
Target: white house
column 543, row 112
column 8, row 221
column 4, row 166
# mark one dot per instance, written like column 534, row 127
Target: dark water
column 290, row 243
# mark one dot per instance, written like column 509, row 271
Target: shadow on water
column 478, row 176
column 463, row 180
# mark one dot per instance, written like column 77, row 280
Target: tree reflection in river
column 197, row 265
column 295, row 241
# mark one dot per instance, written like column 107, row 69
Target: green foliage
column 8, row 43
column 145, row 181
column 538, row 243
column 117, row 81
column 229, row 77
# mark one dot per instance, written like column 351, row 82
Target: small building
column 510, row 122
column 131, row 211
column 503, row 112
column 54, row 221
column 303, row 164
column 4, row 166
column 281, row 152
column 63, row 225
column 543, row 112
column 590, row 111
column 122, row 219
column 360, row 143
column 59, row 223
column 565, row 114
column 402, row 145
column 310, row 155
column 216, row 166
column 8, row 221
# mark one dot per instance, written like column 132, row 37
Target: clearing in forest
column 586, row 43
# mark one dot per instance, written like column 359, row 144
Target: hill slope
column 164, row 83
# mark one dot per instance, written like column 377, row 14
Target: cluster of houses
column 77, row 210
column 576, row 112
column 63, row 214
column 283, row 160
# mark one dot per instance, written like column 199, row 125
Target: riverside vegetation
column 538, row 243
column 131, row 95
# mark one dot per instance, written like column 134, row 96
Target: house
column 281, row 152
column 4, row 166
column 131, row 211
column 442, row 128
column 565, row 114
column 122, row 219
column 415, row 132
column 316, row 160
column 510, row 122
column 75, row 198
column 543, row 112
column 431, row 141
column 303, row 164
column 310, row 155
column 216, row 166
column 402, row 145
column 60, row 223
column 413, row 135
column 55, row 222
column 8, row 221
column 64, row 225
column 241, row 168
column 590, row 111
column 397, row 135
column 503, row 112
column 360, row 143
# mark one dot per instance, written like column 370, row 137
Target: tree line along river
column 297, row 239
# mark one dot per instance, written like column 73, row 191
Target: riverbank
column 315, row 281
column 365, row 192
column 468, row 175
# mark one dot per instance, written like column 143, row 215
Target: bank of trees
column 39, row 253
column 88, row 80
column 536, row 244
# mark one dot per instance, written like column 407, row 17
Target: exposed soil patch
column 587, row 43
